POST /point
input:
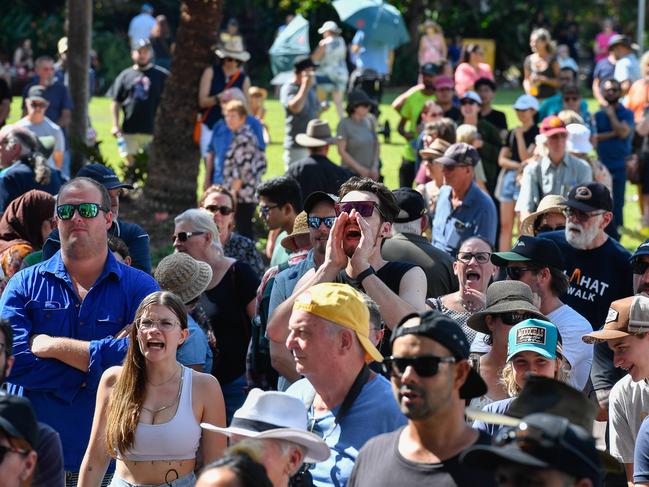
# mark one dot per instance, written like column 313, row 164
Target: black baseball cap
column 301, row 64
column 37, row 93
column 590, row 197
column 643, row 249
column 411, row 205
column 429, row 69
column 460, row 154
column 316, row 197
column 447, row 332
column 103, row 175
column 531, row 249
column 17, row 418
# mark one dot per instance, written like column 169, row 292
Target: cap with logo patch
column 553, row 125
column 531, row 249
column 534, row 335
column 460, row 154
column 590, row 197
column 628, row 316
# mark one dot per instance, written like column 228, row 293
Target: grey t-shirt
column 296, row 122
column 362, row 142
column 46, row 128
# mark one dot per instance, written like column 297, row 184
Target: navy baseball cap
column 102, row 174
column 460, row 154
column 643, row 249
column 531, row 249
column 590, row 197
column 447, row 332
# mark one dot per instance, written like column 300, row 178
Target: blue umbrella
column 381, row 22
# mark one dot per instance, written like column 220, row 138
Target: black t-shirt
column 529, row 136
column 139, row 93
column 497, row 119
column 453, row 113
column 225, row 305
column 318, row 173
column 379, row 463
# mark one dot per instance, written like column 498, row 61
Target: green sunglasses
column 86, row 210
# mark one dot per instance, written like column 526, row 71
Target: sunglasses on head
column 513, row 317
column 581, row 216
column 424, row 365
column 85, row 210
column 223, row 210
column 6, row 449
column 639, row 267
column 480, row 257
column 364, row 208
column 315, row 221
column 184, row 236
column 515, row 273
column 549, row 228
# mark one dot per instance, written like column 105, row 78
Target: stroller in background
column 371, row 82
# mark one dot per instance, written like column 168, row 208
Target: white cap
column 472, row 95
column 578, row 139
column 329, row 25
column 525, row 102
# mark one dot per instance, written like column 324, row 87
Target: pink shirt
column 466, row 76
column 601, row 41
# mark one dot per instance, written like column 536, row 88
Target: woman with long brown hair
column 149, row 410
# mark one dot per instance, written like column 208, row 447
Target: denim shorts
column 186, row 481
column 509, row 189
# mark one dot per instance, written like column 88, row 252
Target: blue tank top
column 219, row 82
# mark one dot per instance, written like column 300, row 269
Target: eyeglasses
column 468, row 102
column 513, row 317
column 162, row 325
column 480, row 257
column 364, row 208
column 223, row 210
column 549, row 228
column 6, row 449
column 570, row 98
column 581, row 216
column 424, row 365
column 184, row 236
column 36, row 104
column 264, row 210
column 639, row 267
column 315, row 221
column 515, row 273
column 86, row 210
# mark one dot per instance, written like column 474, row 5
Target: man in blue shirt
column 65, row 313
column 614, row 132
column 371, row 55
column 462, row 210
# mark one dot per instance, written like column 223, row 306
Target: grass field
column 390, row 153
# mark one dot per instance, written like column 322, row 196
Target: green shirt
column 280, row 254
column 411, row 110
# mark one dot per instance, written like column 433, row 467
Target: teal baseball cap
column 534, row 335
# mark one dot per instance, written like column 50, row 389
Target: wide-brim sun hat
column 552, row 203
column 578, row 139
column 318, row 134
column 300, row 227
column 275, row 415
column 234, row 50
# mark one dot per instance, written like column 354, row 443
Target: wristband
column 366, row 273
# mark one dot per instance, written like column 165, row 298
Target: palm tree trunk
column 174, row 158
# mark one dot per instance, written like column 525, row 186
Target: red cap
column 443, row 82
column 553, row 125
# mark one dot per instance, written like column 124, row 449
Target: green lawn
column 390, row 153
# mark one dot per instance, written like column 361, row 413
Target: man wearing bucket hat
column 555, row 173
column 276, row 423
column 625, row 332
column 538, row 263
column 316, row 172
column 188, row 278
column 431, row 378
column 347, row 403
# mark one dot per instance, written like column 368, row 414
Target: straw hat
column 551, row 203
column 300, row 227
column 183, row 275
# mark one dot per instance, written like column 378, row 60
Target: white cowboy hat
column 234, row 50
column 278, row 415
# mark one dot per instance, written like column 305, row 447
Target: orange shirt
column 638, row 99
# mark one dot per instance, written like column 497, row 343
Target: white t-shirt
column 140, row 27
column 572, row 327
column 628, row 406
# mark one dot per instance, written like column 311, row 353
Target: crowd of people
column 382, row 337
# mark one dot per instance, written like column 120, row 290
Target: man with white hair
column 347, row 403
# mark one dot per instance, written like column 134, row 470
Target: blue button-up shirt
column 41, row 300
column 475, row 216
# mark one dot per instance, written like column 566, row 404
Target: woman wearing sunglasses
column 533, row 348
column 219, row 202
column 508, row 303
column 149, row 410
column 474, row 271
column 226, row 307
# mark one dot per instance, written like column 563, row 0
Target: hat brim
column 431, row 152
column 602, row 336
column 527, row 227
column 242, row 56
column 444, row 85
column 477, row 320
column 118, row 186
column 555, row 131
column 316, row 197
column 316, row 450
column 502, row 258
column 9, row 428
column 307, row 141
column 448, row 161
column 582, row 206
column 585, row 148
column 525, row 107
column 532, row 347
column 489, row 457
column 288, row 242
column 474, row 386
column 371, row 351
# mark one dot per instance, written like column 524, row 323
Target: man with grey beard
column 598, row 270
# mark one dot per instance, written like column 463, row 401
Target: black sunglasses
column 570, row 98
column 424, row 365
column 315, row 221
column 364, row 208
column 184, row 236
column 223, row 210
column 639, row 267
column 515, row 273
column 512, row 318
column 468, row 102
column 86, row 210
column 6, row 449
